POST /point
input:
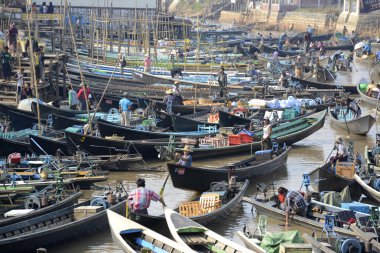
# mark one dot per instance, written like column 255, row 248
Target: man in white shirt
column 341, row 152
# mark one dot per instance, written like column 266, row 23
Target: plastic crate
column 245, row 138
column 234, row 139
column 356, row 207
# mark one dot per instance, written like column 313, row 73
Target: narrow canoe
column 46, row 110
column 287, row 133
column 200, row 179
column 367, row 189
column 131, row 236
column 8, row 146
column 362, row 89
column 308, row 84
column 186, row 124
column 183, row 229
column 54, row 228
column 206, row 219
column 49, row 145
column 325, row 180
column 359, row 125
column 312, row 225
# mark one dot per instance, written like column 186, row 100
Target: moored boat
column 192, row 235
column 200, row 178
column 362, row 89
column 132, row 237
column 353, row 123
column 308, row 84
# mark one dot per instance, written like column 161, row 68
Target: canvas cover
column 271, row 242
column 336, row 198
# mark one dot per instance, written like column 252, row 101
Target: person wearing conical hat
column 341, row 152
column 186, row 159
column 169, row 100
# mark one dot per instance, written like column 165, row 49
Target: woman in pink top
column 147, row 63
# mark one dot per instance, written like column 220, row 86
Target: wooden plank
column 317, row 244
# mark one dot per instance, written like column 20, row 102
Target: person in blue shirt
column 367, row 48
column 378, row 55
column 246, row 131
column 186, row 159
column 125, row 107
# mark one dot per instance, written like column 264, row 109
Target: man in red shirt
column 81, row 96
column 139, row 199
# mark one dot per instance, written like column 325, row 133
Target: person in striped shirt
column 139, row 199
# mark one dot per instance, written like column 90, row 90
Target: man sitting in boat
column 186, row 159
column 367, row 49
column 293, row 202
column 341, row 152
column 139, row 199
column 246, row 130
column 352, row 106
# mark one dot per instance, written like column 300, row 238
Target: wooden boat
column 300, row 36
column 8, row 146
column 131, row 236
column 359, row 124
column 46, row 110
column 109, row 129
column 313, row 225
column 20, row 120
column 186, row 124
column 319, row 85
column 57, row 227
column 282, row 53
column 370, row 186
column 227, row 119
column 192, row 235
column 192, row 208
column 102, row 146
column 200, row 179
column 325, row 180
column 375, row 72
column 287, row 133
column 49, row 145
column 177, row 109
column 60, row 122
column 371, row 159
column 362, row 90
column 62, row 203
column 250, row 243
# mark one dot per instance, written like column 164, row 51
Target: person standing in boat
column 222, row 80
column 73, row 99
column 341, row 152
column 186, row 159
column 282, row 40
column 83, row 92
column 12, row 38
column 169, row 99
column 125, row 108
column 298, row 67
column 139, row 199
column 266, row 142
column 293, row 202
column 147, row 64
column 6, row 65
column 122, row 63
column 177, row 94
column 20, row 82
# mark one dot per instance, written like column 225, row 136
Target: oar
column 348, row 130
column 330, row 154
column 163, row 187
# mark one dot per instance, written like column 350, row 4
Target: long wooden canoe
column 190, row 234
column 200, row 179
column 308, row 84
column 358, row 125
column 46, row 110
column 367, row 189
column 287, row 133
column 131, row 236
column 277, row 213
column 362, row 89
column 325, row 180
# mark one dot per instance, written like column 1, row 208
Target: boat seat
column 346, row 216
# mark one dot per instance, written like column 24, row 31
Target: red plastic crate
column 234, row 139
column 245, row 138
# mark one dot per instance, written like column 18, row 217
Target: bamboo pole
column 32, row 68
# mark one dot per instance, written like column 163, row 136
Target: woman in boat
column 169, row 99
column 266, row 142
column 83, row 96
column 139, row 199
column 186, row 159
column 293, row 202
column 341, row 152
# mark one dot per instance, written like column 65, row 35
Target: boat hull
column 318, row 85
column 360, row 125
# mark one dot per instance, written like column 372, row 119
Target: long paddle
column 163, row 187
column 330, row 154
column 348, row 130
